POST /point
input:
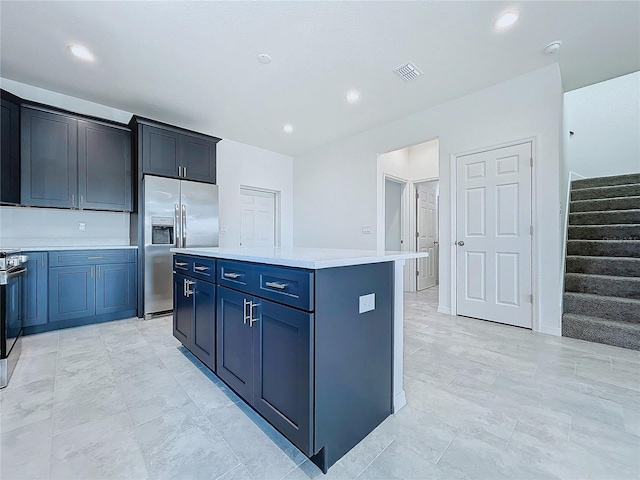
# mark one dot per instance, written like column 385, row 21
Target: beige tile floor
column 123, row 400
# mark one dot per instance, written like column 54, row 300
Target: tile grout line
column 455, row 435
column 375, row 458
column 55, row 377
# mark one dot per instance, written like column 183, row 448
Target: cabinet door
column 36, row 286
column 234, row 342
column 283, row 370
column 203, row 327
column 10, row 153
column 72, row 292
column 104, row 167
column 160, row 151
column 49, row 150
column 182, row 309
column 115, row 288
column 198, row 159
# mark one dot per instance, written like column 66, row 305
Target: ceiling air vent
column 408, row 72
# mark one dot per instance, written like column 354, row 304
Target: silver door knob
column 461, row 243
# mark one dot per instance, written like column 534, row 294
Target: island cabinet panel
column 194, row 307
column 234, row 342
column 283, row 370
column 49, row 159
column 36, row 286
column 10, row 153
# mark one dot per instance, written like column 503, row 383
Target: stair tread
column 618, row 323
column 607, row 225
column 630, row 301
column 601, row 257
column 611, row 277
column 604, row 187
column 596, row 212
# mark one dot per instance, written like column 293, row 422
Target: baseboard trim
column 445, row 310
column 551, row 331
column 399, row 401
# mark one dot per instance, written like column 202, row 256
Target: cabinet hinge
column 531, row 230
column 417, row 273
column 417, row 196
column 531, row 297
column 531, row 161
column 417, row 234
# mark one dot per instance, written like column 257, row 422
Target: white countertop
column 313, row 258
column 46, row 248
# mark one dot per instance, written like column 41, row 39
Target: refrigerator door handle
column 178, row 227
column 184, row 226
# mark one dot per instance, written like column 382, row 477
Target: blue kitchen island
column 310, row 338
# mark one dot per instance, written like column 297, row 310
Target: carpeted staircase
column 602, row 279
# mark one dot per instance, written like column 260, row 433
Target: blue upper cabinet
column 49, row 159
column 104, row 167
column 10, row 154
column 74, row 162
column 36, row 288
column 174, row 152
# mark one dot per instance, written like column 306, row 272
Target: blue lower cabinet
column 203, row 327
column 283, row 370
column 234, row 342
column 194, row 315
column 72, row 292
column 182, row 309
column 36, row 288
column 115, row 288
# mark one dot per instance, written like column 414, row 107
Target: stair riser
column 609, row 286
column 602, row 307
column 605, row 181
column 622, row 267
column 594, row 332
column 606, row 192
column 623, row 203
column 604, row 248
column 605, row 218
column 606, row 232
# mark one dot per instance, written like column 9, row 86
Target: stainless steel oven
column 12, row 311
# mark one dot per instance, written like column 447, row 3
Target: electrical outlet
column 366, row 230
column 367, row 303
column 82, row 226
column 223, row 230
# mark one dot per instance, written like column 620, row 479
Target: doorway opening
column 400, row 172
column 427, row 200
column 260, row 217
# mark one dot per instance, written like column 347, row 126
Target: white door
column 494, row 238
column 427, row 234
column 258, row 218
column 393, row 215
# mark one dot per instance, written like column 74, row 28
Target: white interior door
column 393, row 215
column 494, row 238
column 427, row 233
column 258, row 218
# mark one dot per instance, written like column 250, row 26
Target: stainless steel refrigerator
column 177, row 213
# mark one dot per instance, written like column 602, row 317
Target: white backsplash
column 23, row 227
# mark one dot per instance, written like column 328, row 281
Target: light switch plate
column 367, row 303
column 366, row 230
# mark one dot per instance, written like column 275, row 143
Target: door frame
column 276, row 211
column 415, row 184
column 533, row 140
column 405, row 224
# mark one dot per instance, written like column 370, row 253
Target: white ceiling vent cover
column 408, row 72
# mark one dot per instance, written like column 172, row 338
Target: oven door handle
column 17, row 272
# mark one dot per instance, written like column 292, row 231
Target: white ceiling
column 193, row 64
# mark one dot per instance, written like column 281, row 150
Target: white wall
column 243, row 165
column 238, row 164
column 344, row 175
column 423, row 161
column 605, row 119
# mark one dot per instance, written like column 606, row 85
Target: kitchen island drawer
column 182, row 264
column 236, row 275
column 203, row 268
column 290, row 286
column 61, row 258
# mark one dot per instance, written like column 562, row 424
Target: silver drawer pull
column 181, row 264
column 94, row 258
column 279, row 286
column 231, row 275
column 201, row 269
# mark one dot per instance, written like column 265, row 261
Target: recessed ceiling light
column 288, row 128
column 353, row 96
column 83, row 53
column 506, row 20
column 264, row 58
